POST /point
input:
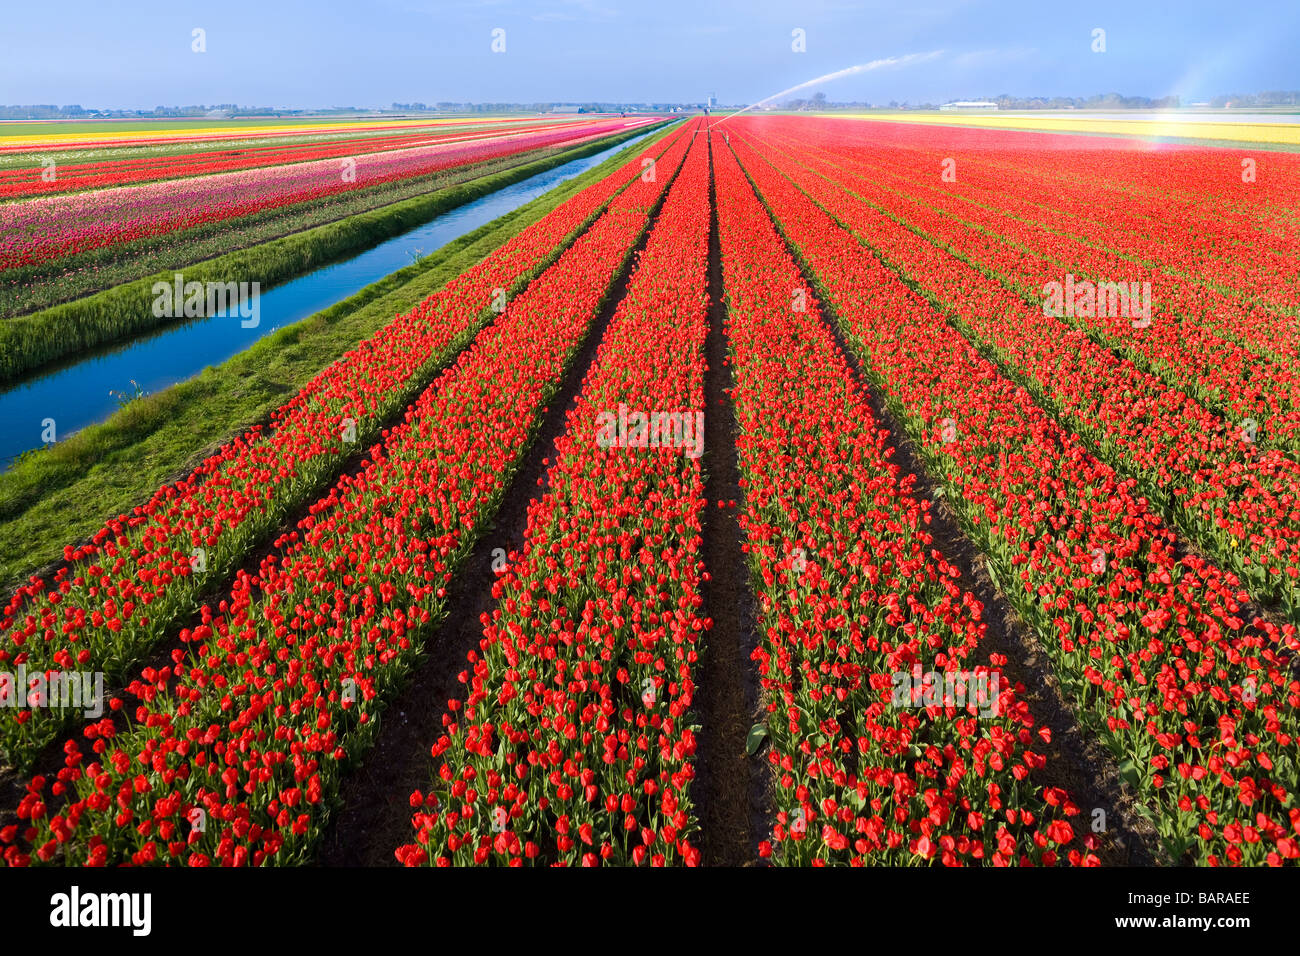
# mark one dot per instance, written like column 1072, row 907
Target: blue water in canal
column 77, row 395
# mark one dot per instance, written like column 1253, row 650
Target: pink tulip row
column 48, row 228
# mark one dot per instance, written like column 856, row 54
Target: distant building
column 566, row 109
column 969, row 105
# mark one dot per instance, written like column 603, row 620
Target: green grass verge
column 30, row 341
column 63, row 494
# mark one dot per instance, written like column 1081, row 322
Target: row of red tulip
column 255, row 726
column 573, row 744
column 142, row 573
column 1227, row 214
column 1197, row 705
column 1240, row 282
column 1190, row 240
column 1239, row 504
column 853, row 595
column 1189, row 337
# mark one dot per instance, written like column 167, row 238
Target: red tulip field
column 792, row 491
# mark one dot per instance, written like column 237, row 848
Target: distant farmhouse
column 969, row 105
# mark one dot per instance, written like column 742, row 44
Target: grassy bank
column 63, row 494
column 30, row 341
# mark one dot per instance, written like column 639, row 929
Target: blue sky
column 294, row 53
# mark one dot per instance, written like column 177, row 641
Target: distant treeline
column 1101, row 101
column 51, row 111
column 1116, row 101
column 1005, row 101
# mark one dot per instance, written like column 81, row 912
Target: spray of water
column 907, row 60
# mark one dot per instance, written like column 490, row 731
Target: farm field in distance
column 773, row 480
column 1270, row 129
